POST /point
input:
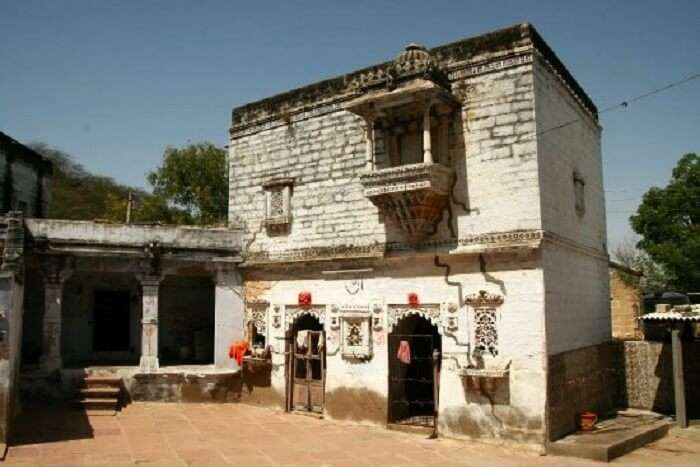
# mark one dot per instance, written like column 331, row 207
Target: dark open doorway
column 186, row 321
column 111, row 321
column 411, row 371
column 307, row 372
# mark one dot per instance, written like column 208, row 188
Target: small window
column 579, row 194
column 278, row 193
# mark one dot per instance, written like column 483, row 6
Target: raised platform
column 177, row 383
column 614, row 437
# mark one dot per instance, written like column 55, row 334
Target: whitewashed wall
column 361, row 387
column 576, row 269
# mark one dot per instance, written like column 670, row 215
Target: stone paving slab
column 171, row 434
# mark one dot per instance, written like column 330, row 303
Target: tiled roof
column 688, row 313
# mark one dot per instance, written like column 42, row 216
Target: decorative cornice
column 483, row 299
column 513, row 240
column 468, row 68
column 510, row 237
column 319, row 253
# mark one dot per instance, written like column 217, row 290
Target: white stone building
column 434, row 202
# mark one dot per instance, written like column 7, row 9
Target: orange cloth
column 404, row 353
column 237, row 351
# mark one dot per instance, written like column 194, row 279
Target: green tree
column 77, row 194
column 668, row 220
column 194, row 180
column 654, row 277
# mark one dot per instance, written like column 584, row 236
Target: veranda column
column 443, row 154
column 54, row 272
column 369, row 142
column 150, row 286
column 229, row 313
column 427, row 150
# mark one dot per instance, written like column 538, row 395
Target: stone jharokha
column 407, row 244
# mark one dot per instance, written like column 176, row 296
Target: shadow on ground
column 50, row 423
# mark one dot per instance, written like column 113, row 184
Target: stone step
column 92, row 403
column 100, row 412
column 103, row 381
column 613, row 438
column 100, row 393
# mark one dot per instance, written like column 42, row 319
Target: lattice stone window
column 278, row 192
column 486, row 332
column 485, row 323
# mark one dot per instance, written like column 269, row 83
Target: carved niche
column 256, row 316
column 355, row 331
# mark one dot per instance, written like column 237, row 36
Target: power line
column 624, row 104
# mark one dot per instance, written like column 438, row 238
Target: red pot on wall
column 304, row 299
column 413, row 299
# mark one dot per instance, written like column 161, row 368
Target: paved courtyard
column 236, row 434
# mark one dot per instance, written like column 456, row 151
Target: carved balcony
column 413, row 196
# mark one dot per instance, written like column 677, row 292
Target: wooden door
column 309, row 371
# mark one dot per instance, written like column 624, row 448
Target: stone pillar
column 229, row 314
column 678, row 376
column 369, row 144
column 55, row 273
column 150, row 285
column 427, row 150
column 443, row 154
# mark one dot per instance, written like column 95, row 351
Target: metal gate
column 308, row 372
column 412, row 385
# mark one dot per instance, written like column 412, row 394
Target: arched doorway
column 307, row 375
column 413, row 344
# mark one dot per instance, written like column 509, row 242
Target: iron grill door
column 411, row 385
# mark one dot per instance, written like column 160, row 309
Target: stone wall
column 580, row 380
column 625, row 303
column 11, row 310
column 11, row 303
column 578, row 303
column 646, row 376
column 23, row 177
column 321, row 146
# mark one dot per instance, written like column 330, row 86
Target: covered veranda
column 130, row 300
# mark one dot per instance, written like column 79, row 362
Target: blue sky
column 114, row 82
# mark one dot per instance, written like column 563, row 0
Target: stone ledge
column 612, row 438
